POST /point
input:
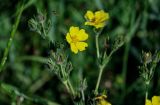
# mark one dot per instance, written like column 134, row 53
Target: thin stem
column 99, row 79
column 82, row 92
column 11, row 39
column 71, row 87
column 14, row 29
column 101, row 67
column 125, row 62
column 17, row 93
column 133, row 28
column 43, row 29
column 32, row 58
column 62, row 71
column 97, row 41
column 45, row 34
column 97, row 45
column 67, row 83
column 30, row 2
column 40, row 82
column 146, row 94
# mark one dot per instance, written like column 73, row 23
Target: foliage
column 39, row 68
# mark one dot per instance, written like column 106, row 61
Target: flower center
column 74, row 38
column 92, row 20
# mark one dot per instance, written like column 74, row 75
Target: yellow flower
column 102, row 100
column 148, row 102
column 76, row 37
column 97, row 19
column 155, row 101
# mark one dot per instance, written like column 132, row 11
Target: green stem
column 99, row 79
column 71, row 87
column 67, row 82
column 11, row 39
column 30, row 2
column 32, row 58
column 97, row 41
column 10, row 90
column 66, row 85
column 45, row 34
column 97, row 45
column 62, row 71
column 129, row 37
column 146, row 94
column 43, row 29
column 125, row 63
column 14, row 29
column 101, row 68
column 98, row 56
column 146, row 97
column 82, row 92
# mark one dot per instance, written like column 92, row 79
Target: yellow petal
column 82, row 35
column 74, row 48
column 81, row 46
column 104, row 102
column 100, row 25
column 101, row 16
column 104, row 17
column 89, row 15
column 156, row 100
column 68, row 37
column 89, row 23
column 148, row 102
column 73, row 31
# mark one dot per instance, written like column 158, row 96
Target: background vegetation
column 26, row 79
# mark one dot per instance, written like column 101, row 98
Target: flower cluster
column 155, row 101
column 76, row 37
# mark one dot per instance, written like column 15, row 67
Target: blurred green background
column 26, row 75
